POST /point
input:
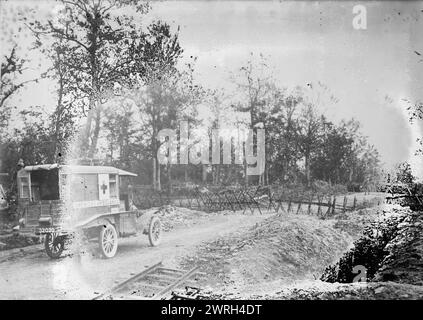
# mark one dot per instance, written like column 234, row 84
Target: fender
column 99, row 220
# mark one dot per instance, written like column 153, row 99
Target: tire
column 54, row 245
column 154, row 231
column 108, row 241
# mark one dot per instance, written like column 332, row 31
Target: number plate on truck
column 45, row 230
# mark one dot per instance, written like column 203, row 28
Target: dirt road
column 88, row 276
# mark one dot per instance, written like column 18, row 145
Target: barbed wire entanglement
column 253, row 199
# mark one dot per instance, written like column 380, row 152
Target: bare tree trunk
column 58, row 118
column 86, row 132
column 267, row 175
column 88, row 149
column 154, row 174
column 159, row 185
column 169, row 176
column 111, row 152
column 307, row 169
column 96, row 132
column 245, row 164
column 350, row 175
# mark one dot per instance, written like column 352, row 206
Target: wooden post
column 318, row 206
column 198, row 201
column 229, row 201
column 355, row 203
column 310, row 200
column 26, row 213
column 333, row 205
column 329, row 206
column 279, row 200
column 270, row 195
column 189, row 200
column 299, row 205
column 344, row 206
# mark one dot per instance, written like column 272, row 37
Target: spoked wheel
column 54, row 245
column 108, row 241
column 154, row 231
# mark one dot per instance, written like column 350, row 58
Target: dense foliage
column 369, row 251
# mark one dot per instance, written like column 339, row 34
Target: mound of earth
column 279, row 258
column 284, row 248
column 177, row 217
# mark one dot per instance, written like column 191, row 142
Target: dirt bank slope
column 284, row 248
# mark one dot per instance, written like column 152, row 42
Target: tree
column 121, row 132
column 14, row 64
column 416, row 113
column 404, row 173
column 11, row 66
column 32, row 143
column 98, row 45
column 162, row 104
column 222, row 115
column 254, row 83
column 346, row 157
column 163, row 92
column 63, row 119
column 329, row 161
column 310, row 123
column 310, row 136
column 283, row 133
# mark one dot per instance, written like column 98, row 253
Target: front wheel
column 54, row 245
column 154, row 231
column 108, row 241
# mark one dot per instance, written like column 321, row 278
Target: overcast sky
column 309, row 42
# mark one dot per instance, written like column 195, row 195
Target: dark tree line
column 118, row 85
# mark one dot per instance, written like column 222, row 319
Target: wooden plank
column 164, row 277
column 178, row 282
column 170, row 270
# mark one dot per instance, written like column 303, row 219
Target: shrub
column 323, row 187
column 369, row 251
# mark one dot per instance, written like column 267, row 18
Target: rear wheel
column 154, row 231
column 108, row 241
column 54, row 245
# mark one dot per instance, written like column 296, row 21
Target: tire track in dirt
column 87, row 276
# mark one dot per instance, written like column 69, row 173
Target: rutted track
column 89, row 276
